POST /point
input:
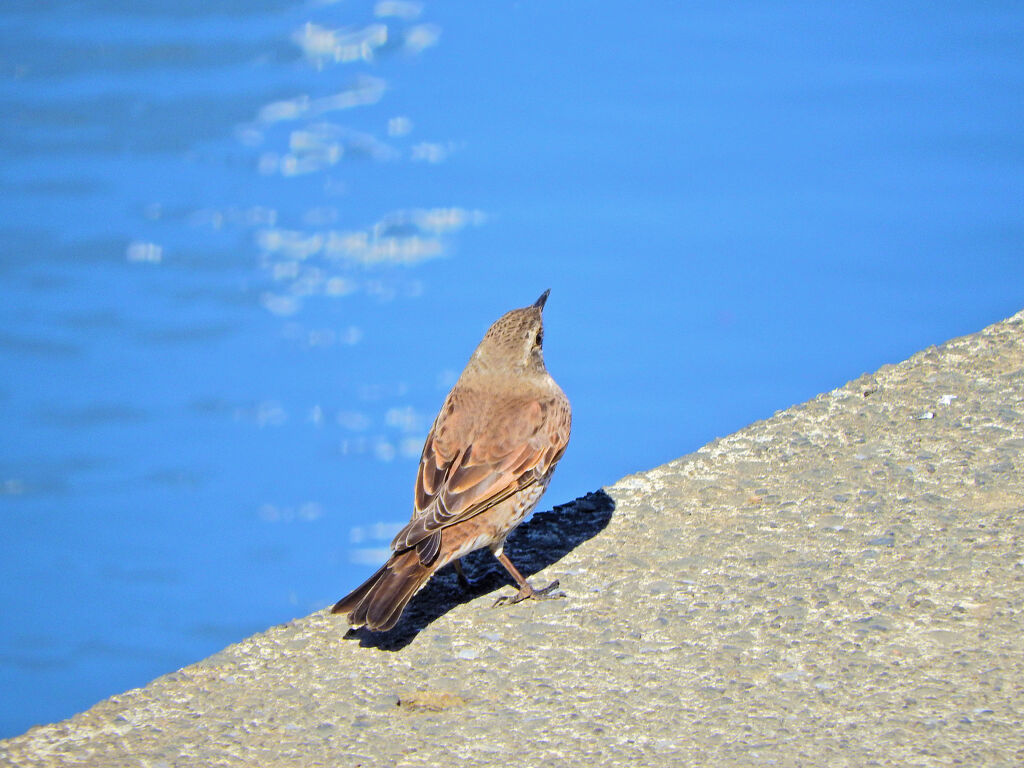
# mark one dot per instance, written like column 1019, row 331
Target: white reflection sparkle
column 399, row 126
column 365, row 90
column 422, row 36
column 403, row 237
column 405, row 418
column 429, row 152
column 354, row 420
column 322, row 145
column 411, row 447
column 401, row 9
column 339, row 286
column 370, row 556
column 279, row 305
column 377, row 532
column 384, row 450
column 320, row 44
column 143, row 252
column 316, row 415
column 306, row 512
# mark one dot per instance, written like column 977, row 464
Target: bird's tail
column 379, row 601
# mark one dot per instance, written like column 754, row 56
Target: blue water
column 245, row 247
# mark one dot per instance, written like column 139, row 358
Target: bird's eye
column 540, row 338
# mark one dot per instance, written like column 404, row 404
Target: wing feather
column 507, row 452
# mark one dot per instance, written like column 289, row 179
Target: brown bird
column 486, row 462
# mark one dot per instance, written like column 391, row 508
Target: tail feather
column 356, row 596
column 380, row 600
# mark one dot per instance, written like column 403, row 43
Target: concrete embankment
column 841, row 584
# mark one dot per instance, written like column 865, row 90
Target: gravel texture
column 841, row 584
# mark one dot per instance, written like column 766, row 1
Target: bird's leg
column 525, row 590
column 466, row 585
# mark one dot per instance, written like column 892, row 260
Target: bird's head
column 515, row 341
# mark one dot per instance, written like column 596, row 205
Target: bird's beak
column 539, row 303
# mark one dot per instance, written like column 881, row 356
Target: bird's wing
column 464, row 471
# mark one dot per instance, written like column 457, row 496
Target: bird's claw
column 550, row 592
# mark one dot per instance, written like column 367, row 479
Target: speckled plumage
column 485, row 464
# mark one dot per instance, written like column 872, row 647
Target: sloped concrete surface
column 841, row 584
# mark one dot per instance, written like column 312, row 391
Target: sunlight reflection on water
column 201, row 180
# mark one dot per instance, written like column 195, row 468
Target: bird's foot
column 550, row 592
column 464, row 582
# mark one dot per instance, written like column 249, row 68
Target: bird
column 486, row 462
